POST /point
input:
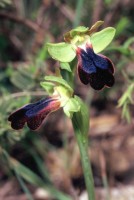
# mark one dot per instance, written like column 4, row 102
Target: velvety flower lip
column 33, row 114
column 93, row 68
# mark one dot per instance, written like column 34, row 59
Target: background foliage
column 49, row 159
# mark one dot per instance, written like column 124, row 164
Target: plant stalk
column 82, row 141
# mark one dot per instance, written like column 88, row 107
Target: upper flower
column 95, row 69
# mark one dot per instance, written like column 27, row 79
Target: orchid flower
column 34, row 114
column 93, row 68
column 85, row 43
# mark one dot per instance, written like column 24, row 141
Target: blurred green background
column 46, row 164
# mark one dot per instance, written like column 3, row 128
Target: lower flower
column 34, row 114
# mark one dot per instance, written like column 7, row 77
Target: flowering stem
column 78, row 121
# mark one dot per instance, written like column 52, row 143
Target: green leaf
column 128, row 42
column 71, row 107
column 21, row 81
column 120, row 49
column 121, row 25
column 126, row 112
column 65, row 66
column 42, row 54
column 125, row 101
column 127, row 96
column 59, row 80
column 34, row 179
column 62, row 52
column 102, row 39
column 24, row 186
column 4, row 2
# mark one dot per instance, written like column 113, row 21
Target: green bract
column 102, row 39
column 71, row 106
column 66, row 66
column 81, row 118
column 59, row 81
column 62, row 52
column 48, row 86
column 58, row 86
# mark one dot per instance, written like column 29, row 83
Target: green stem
column 82, row 140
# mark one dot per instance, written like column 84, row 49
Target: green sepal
column 48, row 86
column 62, row 52
column 71, row 106
column 100, row 40
column 66, row 66
column 80, row 119
column 60, row 81
column 74, row 32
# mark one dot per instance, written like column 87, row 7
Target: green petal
column 62, row 52
column 102, row 39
